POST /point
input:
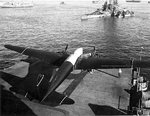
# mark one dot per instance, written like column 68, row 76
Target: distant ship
column 16, row 5
column 62, row 2
column 133, row 0
column 95, row 1
column 110, row 9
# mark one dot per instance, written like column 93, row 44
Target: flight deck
column 98, row 90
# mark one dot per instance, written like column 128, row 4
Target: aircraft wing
column 49, row 57
column 92, row 62
column 98, row 63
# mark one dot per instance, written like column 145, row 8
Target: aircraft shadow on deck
column 108, row 73
column 13, row 106
column 78, row 75
column 105, row 110
column 77, row 79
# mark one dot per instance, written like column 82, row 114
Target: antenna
column 66, row 47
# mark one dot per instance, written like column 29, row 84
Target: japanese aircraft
column 39, row 84
column 41, row 80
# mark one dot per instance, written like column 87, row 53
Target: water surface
column 50, row 27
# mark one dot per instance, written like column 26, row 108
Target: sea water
column 51, row 26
